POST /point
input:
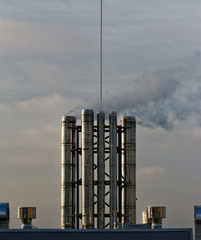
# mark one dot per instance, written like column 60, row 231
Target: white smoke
column 161, row 97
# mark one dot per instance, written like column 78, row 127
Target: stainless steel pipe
column 113, row 168
column 101, row 169
column 87, row 169
column 68, row 172
column 128, row 170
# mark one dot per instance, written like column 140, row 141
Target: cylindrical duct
column 87, row 169
column 128, row 170
column 68, row 172
column 113, row 168
column 101, row 168
column 155, row 214
column 146, row 220
column 144, row 217
column 26, row 214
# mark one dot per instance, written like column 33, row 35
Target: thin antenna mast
column 101, row 50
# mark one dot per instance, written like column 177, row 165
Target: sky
column 49, row 67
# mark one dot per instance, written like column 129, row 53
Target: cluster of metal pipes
column 98, row 173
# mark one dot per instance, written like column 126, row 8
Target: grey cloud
column 38, row 111
column 34, row 37
column 150, row 173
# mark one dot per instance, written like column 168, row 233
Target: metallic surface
column 119, row 132
column 113, row 168
column 155, row 214
column 87, row 169
column 26, row 214
column 68, row 172
column 95, row 234
column 144, row 217
column 128, row 170
column 197, row 213
column 197, row 220
column 78, row 153
column 145, row 220
column 4, row 215
column 101, row 169
column 96, row 198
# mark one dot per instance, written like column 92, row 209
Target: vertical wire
column 101, row 50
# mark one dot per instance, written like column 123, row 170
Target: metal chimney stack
column 98, row 182
column 87, row 169
column 68, row 172
column 113, row 168
column 128, row 170
column 101, row 169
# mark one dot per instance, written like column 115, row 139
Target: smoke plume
column 158, row 98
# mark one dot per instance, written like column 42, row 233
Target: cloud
column 47, row 106
column 7, row 83
column 38, row 37
column 38, row 111
column 36, row 146
column 150, row 173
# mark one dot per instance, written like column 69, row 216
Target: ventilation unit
column 26, row 214
column 153, row 216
